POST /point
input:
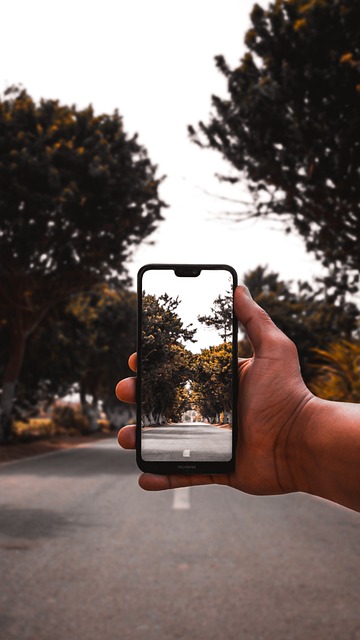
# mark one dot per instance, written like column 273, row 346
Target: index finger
column 153, row 482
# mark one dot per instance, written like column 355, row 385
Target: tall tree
column 290, row 124
column 212, row 381
column 76, row 194
column 166, row 361
column 221, row 316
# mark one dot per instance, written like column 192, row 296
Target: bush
column 34, row 428
column 69, row 418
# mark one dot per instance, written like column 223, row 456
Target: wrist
column 323, row 451
column 294, row 448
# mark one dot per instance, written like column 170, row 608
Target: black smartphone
column 186, row 368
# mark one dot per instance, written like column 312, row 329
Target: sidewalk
column 17, row 450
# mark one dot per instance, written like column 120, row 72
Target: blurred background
column 137, row 132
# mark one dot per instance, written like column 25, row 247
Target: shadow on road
column 99, row 459
column 30, row 524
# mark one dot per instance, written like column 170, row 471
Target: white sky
column 196, row 297
column 154, row 61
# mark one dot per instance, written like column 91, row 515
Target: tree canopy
column 290, row 124
column 75, row 192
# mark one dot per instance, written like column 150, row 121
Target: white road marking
column 186, row 453
column 181, row 499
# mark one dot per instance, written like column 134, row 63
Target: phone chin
column 173, row 468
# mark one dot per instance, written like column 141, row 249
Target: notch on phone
column 187, row 271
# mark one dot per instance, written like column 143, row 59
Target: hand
column 273, row 411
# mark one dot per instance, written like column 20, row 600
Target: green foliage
column 166, row 363
column 291, row 124
column 75, row 193
column 69, row 418
column 212, row 380
column 337, row 372
column 34, row 428
column 221, row 316
column 304, row 314
column 83, row 345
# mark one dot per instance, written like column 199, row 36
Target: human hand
column 273, row 402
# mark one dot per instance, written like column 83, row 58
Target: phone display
column 187, row 369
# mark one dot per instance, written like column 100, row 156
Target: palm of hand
column 269, row 409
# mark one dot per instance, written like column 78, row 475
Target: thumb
column 263, row 334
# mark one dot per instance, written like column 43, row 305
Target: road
column 85, row 554
column 198, row 441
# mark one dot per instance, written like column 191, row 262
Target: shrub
column 34, row 428
column 338, row 372
column 69, row 418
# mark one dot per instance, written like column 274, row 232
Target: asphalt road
column 198, row 441
column 87, row 555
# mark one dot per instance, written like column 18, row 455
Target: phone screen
column 187, row 364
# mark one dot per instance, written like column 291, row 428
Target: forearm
column 328, row 459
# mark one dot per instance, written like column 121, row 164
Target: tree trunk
column 10, row 379
column 22, row 326
column 90, row 411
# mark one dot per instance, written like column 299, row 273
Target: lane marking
column 181, row 498
column 186, row 453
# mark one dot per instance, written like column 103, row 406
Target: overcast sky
column 154, row 62
column 196, row 297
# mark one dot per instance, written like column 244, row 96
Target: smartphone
column 187, row 369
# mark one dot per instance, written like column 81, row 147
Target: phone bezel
column 192, row 467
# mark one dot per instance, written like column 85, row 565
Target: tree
column 82, row 346
column 303, row 313
column 337, row 372
column 290, row 124
column 76, row 194
column 221, row 316
column 212, row 381
column 103, row 336
column 166, row 363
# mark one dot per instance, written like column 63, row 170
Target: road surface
column 85, row 554
column 198, row 441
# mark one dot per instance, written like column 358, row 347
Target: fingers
column 126, row 437
column 126, row 390
column 263, row 334
column 152, row 482
column 132, row 362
